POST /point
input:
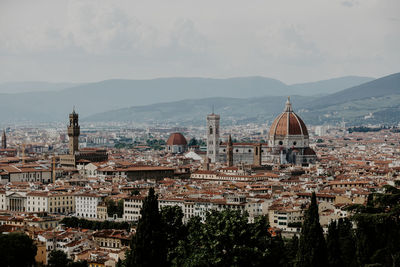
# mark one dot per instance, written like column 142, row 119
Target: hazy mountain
column 193, row 111
column 107, row 95
column 373, row 102
column 34, row 86
column 377, row 101
column 385, row 86
column 330, row 86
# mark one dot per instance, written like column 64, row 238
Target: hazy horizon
column 178, row 77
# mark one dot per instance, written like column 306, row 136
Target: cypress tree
column 333, row 245
column 312, row 247
column 148, row 244
column 291, row 247
column 346, row 242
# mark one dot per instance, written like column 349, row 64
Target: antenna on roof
column 212, row 109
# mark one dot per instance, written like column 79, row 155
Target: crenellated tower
column 73, row 132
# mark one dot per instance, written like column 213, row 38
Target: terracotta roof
column 288, row 123
column 176, row 139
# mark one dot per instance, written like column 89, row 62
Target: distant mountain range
column 35, row 86
column 44, row 102
column 377, row 101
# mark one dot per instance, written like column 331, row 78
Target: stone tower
column 257, row 156
column 213, row 137
column 4, row 140
column 73, row 133
column 229, row 152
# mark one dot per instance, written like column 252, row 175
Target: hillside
column 385, row 86
column 373, row 102
column 92, row 98
column 194, row 111
column 330, row 86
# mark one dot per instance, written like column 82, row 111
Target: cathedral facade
column 288, row 143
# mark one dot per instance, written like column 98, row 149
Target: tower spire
column 288, row 106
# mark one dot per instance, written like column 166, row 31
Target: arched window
column 211, row 130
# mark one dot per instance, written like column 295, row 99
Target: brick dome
column 176, row 139
column 288, row 123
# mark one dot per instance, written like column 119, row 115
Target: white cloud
column 86, row 40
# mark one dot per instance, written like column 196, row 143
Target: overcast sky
column 293, row 41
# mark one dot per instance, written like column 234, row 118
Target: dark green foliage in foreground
column 58, row 258
column 17, row 249
column 226, row 239
column 312, row 247
column 341, row 244
column 115, row 208
column 378, row 229
column 94, row 225
column 173, row 229
column 149, row 243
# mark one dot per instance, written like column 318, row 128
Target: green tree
column 173, row 228
column 193, row 142
column 58, row 258
column 17, row 249
column 225, row 239
column 377, row 232
column 346, row 242
column 291, row 250
column 148, row 244
column 312, row 247
column 333, row 246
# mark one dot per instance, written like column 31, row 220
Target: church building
column 288, row 143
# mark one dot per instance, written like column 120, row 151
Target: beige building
column 284, row 217
column 111, row 239
column 62, row 203
column 102, row 211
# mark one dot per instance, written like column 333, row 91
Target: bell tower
column 213, row 137
column 73, row 132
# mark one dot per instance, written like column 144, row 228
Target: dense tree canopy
column 93, row 225
column 312, row 247
column 17, row 249
column 115, row 208
column 377, row 232
column 58, row 258
column 149, row 243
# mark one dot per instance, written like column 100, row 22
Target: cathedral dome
column 287, row 124
column 176, row 139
